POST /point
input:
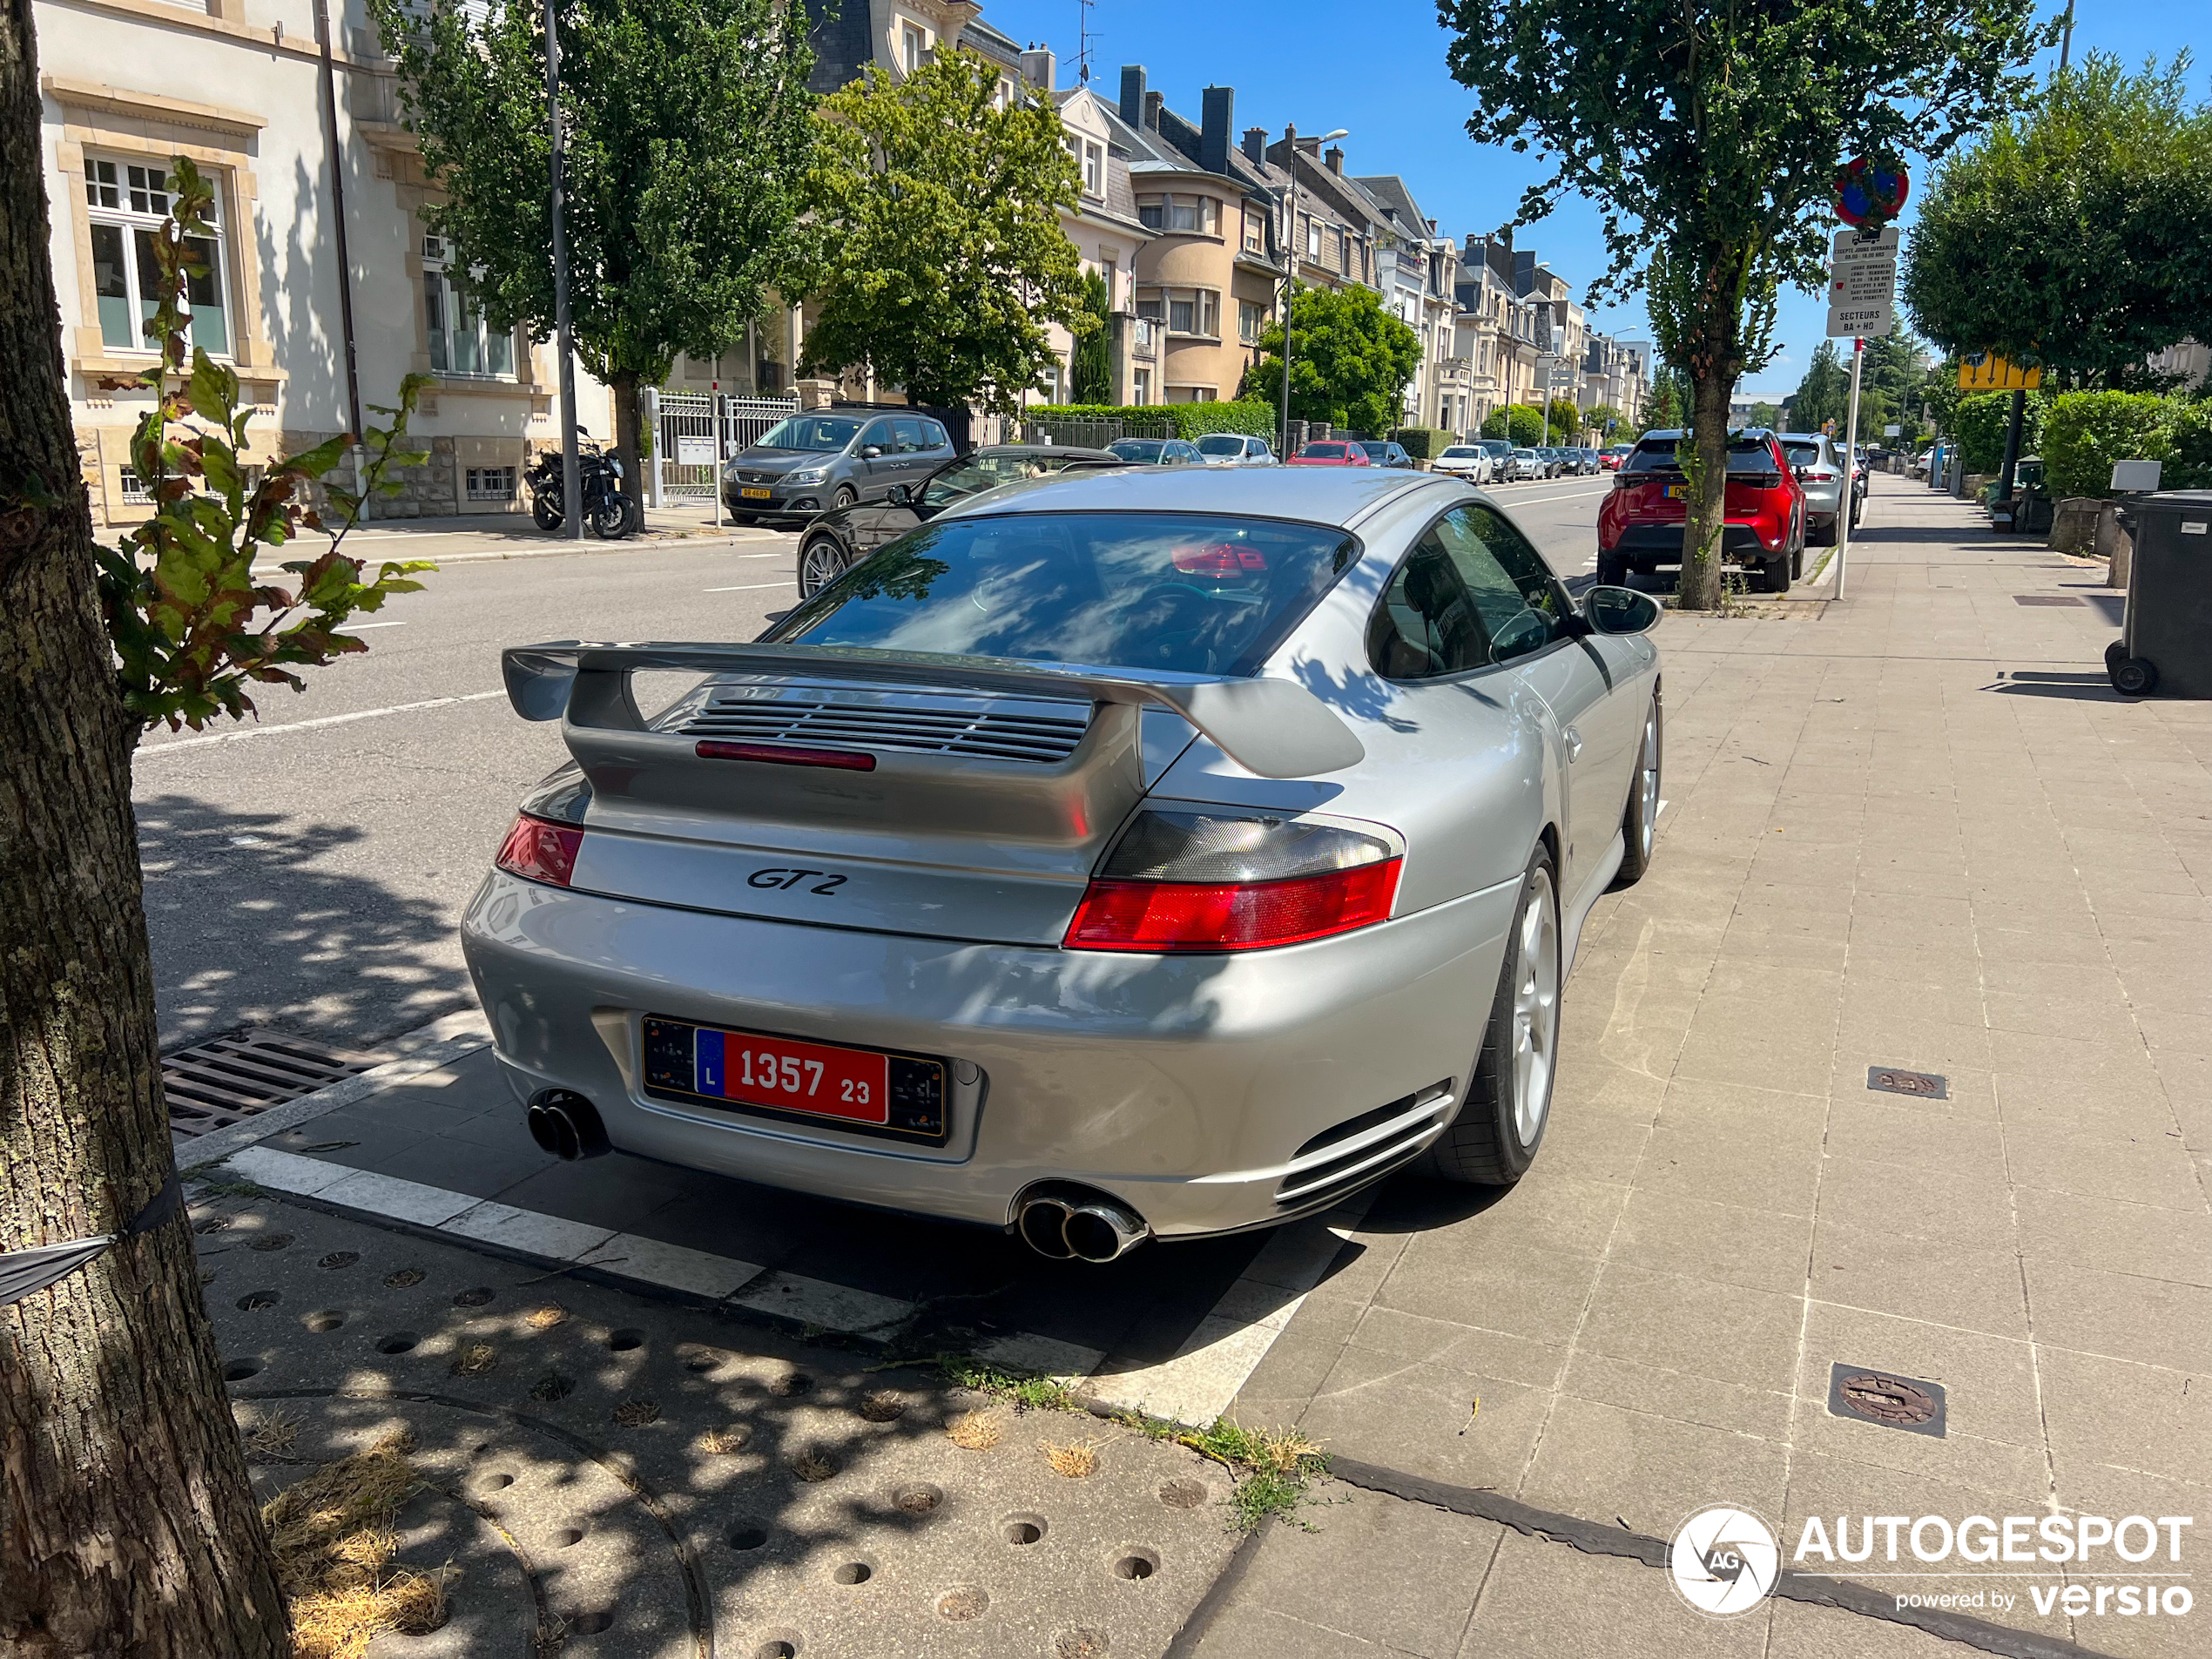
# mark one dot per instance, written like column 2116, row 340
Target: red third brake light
column 539, row 850
column 1182, row 916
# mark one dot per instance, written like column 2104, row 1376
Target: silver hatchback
column 1161, row 853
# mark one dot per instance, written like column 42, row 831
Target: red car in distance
column 1329, row 452
column 1640, row 526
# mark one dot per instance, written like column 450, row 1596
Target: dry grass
column 1072, row 1459
column 723, row 1442
column 474, row 1359
column 332, row 1537
column 883, row 1406
column 273, row 1436
column 546, row 1318
column 813, row 1466
column 637, row 1413
column 976, row 1431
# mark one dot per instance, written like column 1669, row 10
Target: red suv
column 1640, row 527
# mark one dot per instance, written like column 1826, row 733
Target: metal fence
column 1092, row 432
column 698, row 430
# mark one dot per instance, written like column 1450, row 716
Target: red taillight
column 1169, row 916
column 783, row 754
column 540, row 850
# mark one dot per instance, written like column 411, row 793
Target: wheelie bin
column 2164, row 643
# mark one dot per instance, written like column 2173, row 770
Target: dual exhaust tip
column 567, row 1125
column 1088, row 1227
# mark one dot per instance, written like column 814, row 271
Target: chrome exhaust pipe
column 1043, row 1226
column 568, row 1126
column 1104, row 1231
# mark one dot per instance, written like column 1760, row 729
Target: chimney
column 1431, row 227
column 1336, row 159
column 1152, row 101
column 1219, row 103
column 1132, row 110
column 1038, row 66
column 1255, row 145
column 1309, row 148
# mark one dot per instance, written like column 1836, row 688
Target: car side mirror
column 901, row 494
column 1620, row 611
column 869, row 452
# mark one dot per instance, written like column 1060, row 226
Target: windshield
column 982, row 472
column 1144, row 449
column 1221, row 443
column 1376, row 450
column 1194, row 593
column 1460, row 451
column 815, row 434
column 1803, row 455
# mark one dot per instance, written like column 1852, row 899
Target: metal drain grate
column 214, row 1084
column 1895, row 1080
column 2043, row 599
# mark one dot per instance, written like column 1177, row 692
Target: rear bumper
column 1185, row 1085
column 1661, row 544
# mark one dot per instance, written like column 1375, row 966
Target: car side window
column 1472, row 593
column 879, row 433
column 1515, row 590
column 908, row 433
column 933, row 436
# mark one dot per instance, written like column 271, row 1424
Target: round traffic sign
column 1866, row 193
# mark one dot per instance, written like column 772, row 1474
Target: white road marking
column 748, row 587
column 359, row 627
column 151, row 749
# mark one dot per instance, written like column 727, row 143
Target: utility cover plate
column 1895, row 1080
column 1866, row 1394
column 2044, row 599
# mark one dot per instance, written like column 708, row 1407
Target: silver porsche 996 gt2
column 1146, row 852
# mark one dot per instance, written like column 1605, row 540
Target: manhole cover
column 2044, row 599
column 1892, row 1079
column 214, row 1084
column 1894, row 1402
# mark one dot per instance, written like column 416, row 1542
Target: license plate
column 1677, row 492
column 751, row 493
column 869, row 1089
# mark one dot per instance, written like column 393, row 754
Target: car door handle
column 1574, row 746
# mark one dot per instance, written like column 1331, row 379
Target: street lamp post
column 571, row 482
column 1292, row 251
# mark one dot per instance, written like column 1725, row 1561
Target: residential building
column 1614, row 376
column 1108, row 238
column 2190, row 360
column 1417, row 270
column 1496, row 328
column 128, row 85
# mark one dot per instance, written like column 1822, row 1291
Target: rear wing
column 1272, row 728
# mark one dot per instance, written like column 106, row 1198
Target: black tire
column 1797, row 553
column 2135, row 677
column 545, row 512
column 1640, row 818
column 1612, row 570
column 820, row 562
column 1774, row 574
column 607, row 518
column 1825, row 536
column 2115, row 654
column 846, row 496
column 1494, row 1139
column 635, row 510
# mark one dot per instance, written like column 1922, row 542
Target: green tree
column 2077, row 236
column 1600, row 419
column 1765, row 414
column 1565, row 420
column 1349, row 362
column 1709, row 132
column 129, row 1524
column 1665, row 409
column 936, row 251
column 1825, row 392
column 688, row 129
column 1091, row 375
column 1517, row 423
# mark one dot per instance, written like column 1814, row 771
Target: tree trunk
column 625, row 390
column 127, row 1525
column 1712, row 380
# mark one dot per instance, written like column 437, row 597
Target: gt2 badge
column 785, row 879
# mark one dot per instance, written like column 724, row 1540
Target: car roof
column 1804, row 437
column 1338, row 496
column 1046, row 451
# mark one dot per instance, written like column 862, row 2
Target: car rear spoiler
column 1272, row 728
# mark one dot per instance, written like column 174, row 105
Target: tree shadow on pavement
column 256, row 919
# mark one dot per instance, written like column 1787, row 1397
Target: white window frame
column 1251, row 317
column 1204, row 313
column 1313, row 240
column 1094, row 170
column 1141, row 387
column 132, row 199
column 913, row 41
column 445, row 308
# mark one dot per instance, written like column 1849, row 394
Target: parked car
column 1523, row 463
column 1235, row 450
column 1640, row 525
column 1611, row 457
column 1500, row 450
column 806, row 463
column 1554, row 460
column 1329, row 452
column 1468, row 461
column 1220, row 952
column 1387, row 455
column 1819, row 466
column 1157, row 452
column 1591, row 464
column 1921, row 462
column 844, row 535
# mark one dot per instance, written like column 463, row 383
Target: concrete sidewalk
column 1919, row 833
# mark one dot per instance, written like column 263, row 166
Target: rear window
column 1460, row 452
column 1196, row 593
column 1221, row 443
column 1802, row 455
column 1140, row 450
column 1744, row 455
column 1325, row 451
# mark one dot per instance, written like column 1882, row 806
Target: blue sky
column 1378, row 70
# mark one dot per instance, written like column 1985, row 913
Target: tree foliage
column 2078, row 235
column 1710, row 133
column 1091, row 374
column 688, row 128
column 1600, row 419
column 1350, row 361
column 1825, row 392
column 934, row 248
column 1517, row 423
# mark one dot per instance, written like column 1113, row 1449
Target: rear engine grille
column 214, row 1084
column 984, row 734
column 1361, row 1149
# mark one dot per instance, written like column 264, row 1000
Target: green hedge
column 1981, row 422
column 1247, row 416
column 1423, row 442
column 2085, row 432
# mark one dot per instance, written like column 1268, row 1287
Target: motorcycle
column 609, row 513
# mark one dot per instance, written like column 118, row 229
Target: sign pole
column 1850, row 469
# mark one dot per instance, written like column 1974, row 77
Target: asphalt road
column 309, row 871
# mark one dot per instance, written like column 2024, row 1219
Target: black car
column 845, row 536
column 1387, row 455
